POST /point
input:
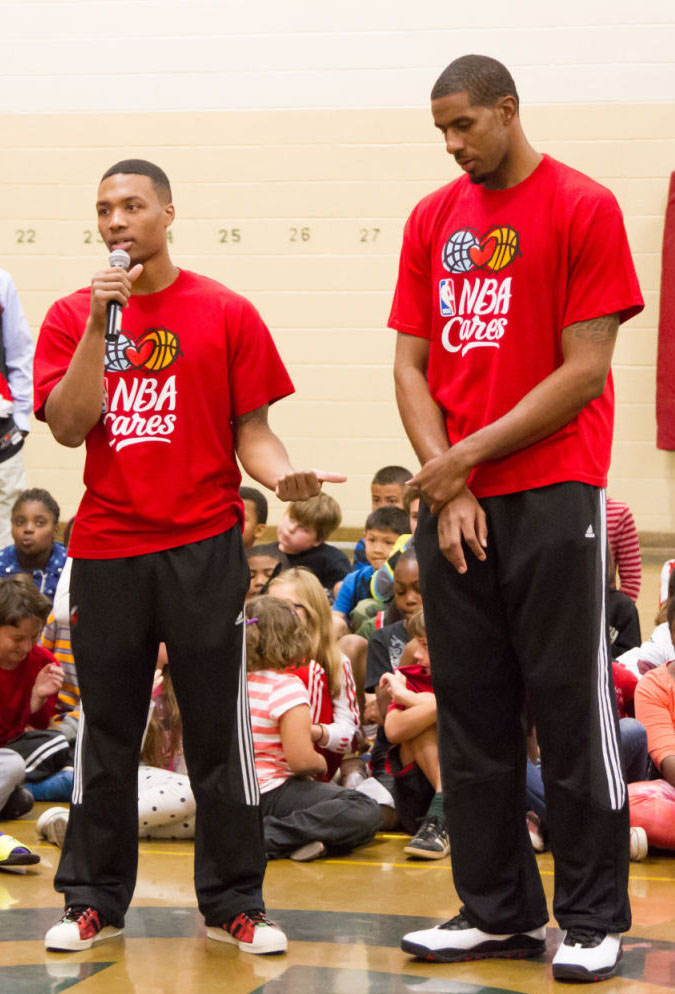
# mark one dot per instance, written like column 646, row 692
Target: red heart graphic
column 480, row 254
column 140, row 355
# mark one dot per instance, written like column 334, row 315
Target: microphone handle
column 119, row 259
column 113, row 323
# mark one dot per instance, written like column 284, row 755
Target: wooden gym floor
column 344, row 918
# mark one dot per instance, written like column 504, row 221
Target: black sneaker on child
column 431, row 841
column 586, row 955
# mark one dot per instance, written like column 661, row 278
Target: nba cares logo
column 467, row 250
column 157, row 349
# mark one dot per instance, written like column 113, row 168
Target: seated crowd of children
column 342, row 705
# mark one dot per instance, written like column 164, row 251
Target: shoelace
column 244, row 918
column 586, row 937
column 75, row 911
column 459, row 921
column 430, row 828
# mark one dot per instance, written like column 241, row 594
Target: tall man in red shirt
column 512, row 284
column 164, row 410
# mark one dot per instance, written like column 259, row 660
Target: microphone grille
column 119, row 259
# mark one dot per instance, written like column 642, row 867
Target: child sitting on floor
column 15, row 801
column 303, row 818
column 264, row 562
column 302, row 534
column 30, row 679
column 387, row 489
column 166, row 804
column 56, row 638
column 327, row 672
column 410, row 725
column 255, row 515
column 382, row 583
column 35, row 551
column 652, row 803
column 383, row 529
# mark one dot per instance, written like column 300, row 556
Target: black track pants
column 530, row 618
column 190, row 597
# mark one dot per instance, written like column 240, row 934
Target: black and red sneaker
column 252, row 931
column 80, row 927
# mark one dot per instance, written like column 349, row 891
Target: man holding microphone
column 164, row 406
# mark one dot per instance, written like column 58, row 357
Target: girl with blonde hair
column 302, row 819
column 328, row 673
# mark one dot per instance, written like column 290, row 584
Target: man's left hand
column 442, row 478
column 303, row 485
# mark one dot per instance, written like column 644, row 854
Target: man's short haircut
column 258, row 500
column 20, row 599
column 322, row 513
column 483, row 79
column 388, row 518
column 41, row 496
column 141, row 167
column 391, row 474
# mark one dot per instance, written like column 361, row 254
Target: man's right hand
column 462, row 519
column 106, row 286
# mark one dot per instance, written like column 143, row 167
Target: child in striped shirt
column 303, row 818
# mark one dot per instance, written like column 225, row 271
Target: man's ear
column 507, row 109
column 258, row 532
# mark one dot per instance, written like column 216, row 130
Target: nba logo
column 446, row 292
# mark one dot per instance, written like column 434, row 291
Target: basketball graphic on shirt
column 116, row 354
column 456, row 256
column 505, row 247
column 157, row 349
column 466, row 251
column 166, row 348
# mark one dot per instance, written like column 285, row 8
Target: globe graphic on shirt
column 115, row 354
column 455, row 255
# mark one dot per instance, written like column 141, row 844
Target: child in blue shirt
column 35, row 516
column 383, row 528
column 387, row 488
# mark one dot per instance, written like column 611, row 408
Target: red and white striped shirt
column 271, row 694
column 624, row 546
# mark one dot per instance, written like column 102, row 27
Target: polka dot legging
column 166, row 804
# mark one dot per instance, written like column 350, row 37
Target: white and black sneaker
column 458, row 940
column 430, row 842
column 587, row 954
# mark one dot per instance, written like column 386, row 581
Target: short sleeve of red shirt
column 57, row 342
column 257, row 374
column 411, row 307
column 602, row 277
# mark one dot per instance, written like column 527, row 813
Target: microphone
column 119, row 259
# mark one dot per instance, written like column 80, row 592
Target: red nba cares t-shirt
column 491, row 278
column 160, row 469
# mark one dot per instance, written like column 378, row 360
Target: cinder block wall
column 296, row 152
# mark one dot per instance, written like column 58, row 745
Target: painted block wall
column 297, row 141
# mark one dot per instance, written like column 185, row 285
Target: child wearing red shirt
column 30, row 679
column 410, row 725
